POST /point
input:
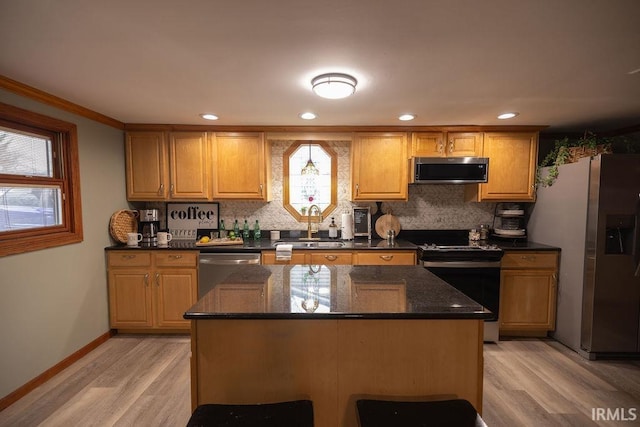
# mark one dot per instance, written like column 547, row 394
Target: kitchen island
column 334, row 334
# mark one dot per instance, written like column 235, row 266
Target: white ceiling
column 568, row 64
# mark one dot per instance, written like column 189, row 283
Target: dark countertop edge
column 477, row 315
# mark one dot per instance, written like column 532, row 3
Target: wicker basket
column 123, row 222
column 576, row 153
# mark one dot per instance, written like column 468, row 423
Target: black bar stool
column 296, row 413
column 437, row 413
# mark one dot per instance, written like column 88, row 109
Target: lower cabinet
column 344, row 257
column 151, row 289
column 528, row 287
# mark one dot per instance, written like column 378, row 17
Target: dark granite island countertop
column 333, row 334
column 340, row 291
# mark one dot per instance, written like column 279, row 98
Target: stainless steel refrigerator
column 592, row 212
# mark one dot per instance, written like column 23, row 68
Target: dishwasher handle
column 229, row 260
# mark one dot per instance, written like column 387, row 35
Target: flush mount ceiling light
column 307, row 115
column 208, row 116
column 334, row 85
column 505, row 116
column 407, row 117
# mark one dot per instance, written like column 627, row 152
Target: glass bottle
column 236, row 229
column 223, row 231
column 257, row 235
column 245, row 230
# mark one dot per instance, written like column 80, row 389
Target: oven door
column 479, row 280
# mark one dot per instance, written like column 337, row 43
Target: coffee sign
column 188, row 217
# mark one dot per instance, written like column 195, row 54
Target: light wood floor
column 144, row 381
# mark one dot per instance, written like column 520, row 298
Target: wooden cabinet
column 379, row 166
column 512, row 168
column 240, row 297
column 378, row 297
column 385, row 258
column 316, row 257
column 151, row 289
column 446, row 144
column 167, row 166
column 528, row 286
column 242, row 168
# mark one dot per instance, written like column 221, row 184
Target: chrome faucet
column 310, row 230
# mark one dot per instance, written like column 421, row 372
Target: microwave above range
column 450, row 170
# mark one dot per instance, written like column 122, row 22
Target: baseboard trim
column 19, row 393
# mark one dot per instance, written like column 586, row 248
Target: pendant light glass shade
column 310, row 175
column 334, row 85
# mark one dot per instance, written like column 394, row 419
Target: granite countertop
column 341, row 291
column 266, row 244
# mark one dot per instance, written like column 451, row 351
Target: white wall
column 54, row 301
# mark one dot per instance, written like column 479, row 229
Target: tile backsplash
column 438, row 206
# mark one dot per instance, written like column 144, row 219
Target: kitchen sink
column 310, row 244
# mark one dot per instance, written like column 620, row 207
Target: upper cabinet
column 242, row 167
column 512, row 168
column 446, row 144
column 166, row 166
column 379, row 166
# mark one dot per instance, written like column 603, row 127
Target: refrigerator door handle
column 636, row 246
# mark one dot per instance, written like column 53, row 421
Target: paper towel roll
column 347, row 226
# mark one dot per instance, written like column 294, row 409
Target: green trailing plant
column 561, row 154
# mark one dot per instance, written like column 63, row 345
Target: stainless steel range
column 473, row 270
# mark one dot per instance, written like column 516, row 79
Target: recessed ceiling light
column 407, row 117
column 505, row 116
column 307, row 115
column 208, row 116
column 334, row 85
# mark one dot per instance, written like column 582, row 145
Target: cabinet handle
column 171, row 190
column 440, row 147
column 451, row 146
column 386, row 257
column 261, row 189
column 158, row 279
column 331, row 257
column 175, row 256
column 357, row 189
column 128, row 256
column 528, row 258
column 146, row 279
column 161, row 190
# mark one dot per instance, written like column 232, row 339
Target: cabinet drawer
column 386, row 258
column 176, row 259
column 521, row 259
column 129, row 258
column 269, row 258
column 329, row 258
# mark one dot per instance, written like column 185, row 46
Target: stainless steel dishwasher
column 215, row 267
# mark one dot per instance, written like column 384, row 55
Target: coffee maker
column 149, row 226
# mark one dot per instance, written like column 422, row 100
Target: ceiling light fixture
column 307, row 115
column 505, row 116
column 208, row 116
column 407, row 117
column 334, row 85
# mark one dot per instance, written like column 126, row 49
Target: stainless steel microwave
column 450, row 170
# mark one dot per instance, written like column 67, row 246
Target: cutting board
column 385, row 223
column 221, row 241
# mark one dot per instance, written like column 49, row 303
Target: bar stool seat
column 437, row 413
column 296, row 413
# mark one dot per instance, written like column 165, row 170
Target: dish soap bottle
column 333, row 229
column 256, row 231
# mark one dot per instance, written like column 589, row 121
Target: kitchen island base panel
column 334, row 362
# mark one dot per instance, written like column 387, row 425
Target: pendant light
column 310, row 174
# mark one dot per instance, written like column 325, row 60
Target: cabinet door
column 380, row 298
column 379, row 166
column 527, row 299
column 385, row 258
column 331, row 258
column 512, row 166
column 427, row 144
column 464, row 144
column 297, row 257
column 241, row 166
column 147, row 169
column 189, row 156
column 240, row 298
column 176, row 292
column 130, row 303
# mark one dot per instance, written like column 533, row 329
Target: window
column 303, row 190
column 39, row 182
